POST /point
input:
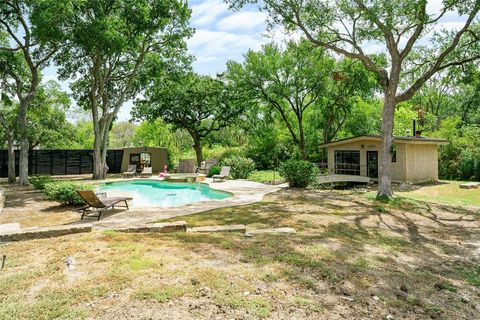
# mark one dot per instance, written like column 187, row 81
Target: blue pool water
column 153, row 193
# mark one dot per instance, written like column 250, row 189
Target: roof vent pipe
column 414, row 127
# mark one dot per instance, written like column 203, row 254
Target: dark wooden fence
column 61, row 162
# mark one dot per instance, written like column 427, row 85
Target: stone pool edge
column 243, row 192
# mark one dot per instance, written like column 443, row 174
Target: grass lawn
column 448, row 192
column 265, row 176
column 352, row 258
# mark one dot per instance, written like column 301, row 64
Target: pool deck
column 244, row 192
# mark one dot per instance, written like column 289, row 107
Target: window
column 347, row 162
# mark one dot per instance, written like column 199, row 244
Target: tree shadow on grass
column 21, row 197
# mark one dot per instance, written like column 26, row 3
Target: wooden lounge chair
column 146, row 173
column 98, row 203
column 131, row 171
column 224, row 173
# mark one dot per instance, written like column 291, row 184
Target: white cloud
column 208, row 12
column 243, row 21
column 214, row 48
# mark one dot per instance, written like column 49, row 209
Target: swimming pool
column 154, row 193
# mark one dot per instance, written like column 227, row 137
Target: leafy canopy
column 198, row 104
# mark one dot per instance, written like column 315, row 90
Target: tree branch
column 361, row 56
column 437, row 66
column 388, row 35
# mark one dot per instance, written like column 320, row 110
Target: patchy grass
column 162, row 294
column 264, row 176
column 417, row 257
column 252, row 304
column 447, row 192
column 471, row 274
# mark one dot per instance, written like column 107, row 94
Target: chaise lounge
column 224, row 173
column 99, row 202
column 131, row 171
column 146, row 173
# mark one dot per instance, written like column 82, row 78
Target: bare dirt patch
column 29, row 207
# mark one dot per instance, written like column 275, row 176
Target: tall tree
column 198, row 104
column 404, row 27
column 108, row 43
column 288, row 81
column 24, row 51
column 299, row 80
column 8, row 115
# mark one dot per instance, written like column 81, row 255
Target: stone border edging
column 222, row 228
column 165, row 227
column 46, row 232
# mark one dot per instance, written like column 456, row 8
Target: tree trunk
column 303, row 152
column 197, row 145
column 100, row 167
column 385, row 163
column 24, row 146
column 12, row 177
column 23, row 163
column 301, row 142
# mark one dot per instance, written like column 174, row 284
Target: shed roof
column 399, row 139
column 141, row 147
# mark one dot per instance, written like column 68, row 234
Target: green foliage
column 213, row 171
column 306, row 73
column 39, row 182
column 111, row 46
column 299, row 173
column 84, row 135
column 220, row 153
column 404, row 116
column 157, row 133
column 48, row 125
column 240, row 167
column 269, row 142
column 460, row 159
column 198, row 104
column 65, row 192
column 265, row 176
column 312, row 98
column 121, row 135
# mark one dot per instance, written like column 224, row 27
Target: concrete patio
column 243, row 192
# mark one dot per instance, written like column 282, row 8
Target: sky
column 222, row 34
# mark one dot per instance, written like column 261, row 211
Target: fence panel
column 61, row 162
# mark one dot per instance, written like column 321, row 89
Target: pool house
column 415, row 159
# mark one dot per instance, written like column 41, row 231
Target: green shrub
column 299, row 173
column 39, row 182
column 213, row 171
column 240, row 167
column 220, row 152
column 64, row 192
